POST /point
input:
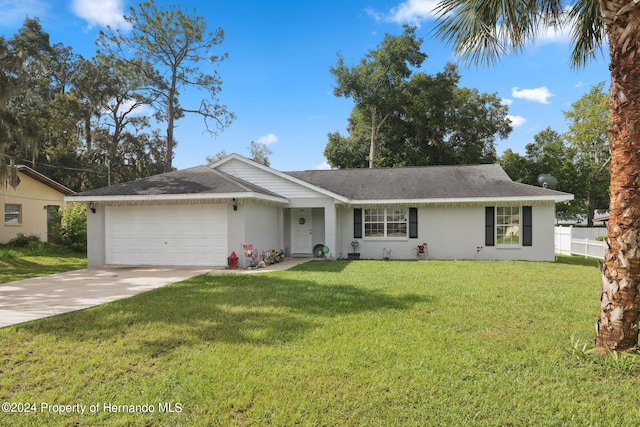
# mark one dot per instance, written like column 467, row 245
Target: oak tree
column 376, row 83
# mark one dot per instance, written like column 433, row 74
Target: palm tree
column 483, row 30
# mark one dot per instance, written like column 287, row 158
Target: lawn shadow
column 236, row 309
column 320, row 265
column 576, row 260
column 19, row 269
column 339, row 265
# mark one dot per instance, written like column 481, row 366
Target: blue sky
column 277, row 81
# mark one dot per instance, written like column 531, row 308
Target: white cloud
column 15, row 11
column 413, row 11
column 539, row 94
column 506, row 101
column 267, row 139
column 323, row 166
column 409, row 11
column 516, row 120
column 101, row 13
column 377, row 16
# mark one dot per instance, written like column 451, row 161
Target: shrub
column 69, row 227
column 22, row 241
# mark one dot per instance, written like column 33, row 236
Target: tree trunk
column 169, row 146
column 591, row 203
column 372, row 146
column 617, row 326
column 171, row 117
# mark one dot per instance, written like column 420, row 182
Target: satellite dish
column 547, row 181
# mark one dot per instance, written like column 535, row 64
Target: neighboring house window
column 509, row 226
column 385, row 222
column 12, row 214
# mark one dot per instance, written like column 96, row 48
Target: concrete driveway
column 46, row 296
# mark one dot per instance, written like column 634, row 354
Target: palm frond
column 482, row 31
column 588, row 31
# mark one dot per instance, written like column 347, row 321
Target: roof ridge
column 395, row 168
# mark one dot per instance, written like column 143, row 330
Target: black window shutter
column 413, row 223
column 489, row 233
column 527, row 226
column 357, row 223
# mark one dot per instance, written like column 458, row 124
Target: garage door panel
column 167, row 235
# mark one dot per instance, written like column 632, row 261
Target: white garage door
column 193, row 235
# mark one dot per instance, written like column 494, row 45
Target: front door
column 301, row 231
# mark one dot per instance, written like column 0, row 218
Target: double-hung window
column 12, row 214
column 385, row 222
column 508, row 228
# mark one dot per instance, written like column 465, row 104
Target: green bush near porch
column 331, row 343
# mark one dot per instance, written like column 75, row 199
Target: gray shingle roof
column 196, row 180
column 429, row 182
column 357, row 185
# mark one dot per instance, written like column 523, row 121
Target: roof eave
column 464, row 200
column 178, row 197
column 34, row 174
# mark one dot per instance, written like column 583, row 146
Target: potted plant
column 354, row 255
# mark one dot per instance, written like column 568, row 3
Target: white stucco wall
column 96, row 246
column 453, row 232
column 300, row 196
column 263, row 227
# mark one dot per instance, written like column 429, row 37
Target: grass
column 343, row 343
column 18, row 263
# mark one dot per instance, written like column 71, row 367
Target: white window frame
column 12, row 214
column 505, row 221
column 385, row 218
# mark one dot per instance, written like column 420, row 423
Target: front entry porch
column 307, row 228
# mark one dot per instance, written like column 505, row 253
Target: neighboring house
column 198, row 216
column 28, row 198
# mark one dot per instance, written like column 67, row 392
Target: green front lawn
column 337, row 343
column 40, row 260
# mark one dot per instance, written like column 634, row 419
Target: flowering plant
column 422, row 248
column 478, row 249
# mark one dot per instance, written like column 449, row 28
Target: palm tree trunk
column 617, row 326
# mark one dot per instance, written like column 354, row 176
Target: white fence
column 588, row 232
column 570, row 241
